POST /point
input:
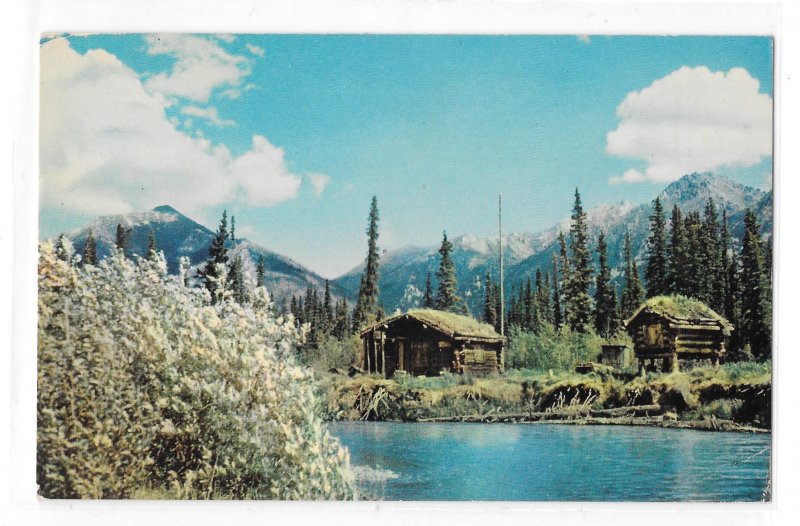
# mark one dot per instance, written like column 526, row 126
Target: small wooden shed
column 427, row 342
column 672, row 328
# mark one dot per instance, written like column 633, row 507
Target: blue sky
column 293, row 134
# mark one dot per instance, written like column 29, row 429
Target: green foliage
column 215, row 266
column 428, row 301
column 144, row 387
column 633, row 292
column 152, row 249
column 551, row 349
column 655, row 272
column 447, row 298
column 332, row 353
column 368, row 292
column 90, row 250
column 756, row 297
column 123, row 237
column 578, row 303
column 677, row 254
column 605, row 300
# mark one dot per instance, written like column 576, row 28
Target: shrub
column 559, row 350
column 144, row 386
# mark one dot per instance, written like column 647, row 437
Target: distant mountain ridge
column 403, row 271
column 178, row 236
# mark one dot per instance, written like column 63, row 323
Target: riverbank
column 732, row 397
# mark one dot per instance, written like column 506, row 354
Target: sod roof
column 454, row 325
column 681, row 309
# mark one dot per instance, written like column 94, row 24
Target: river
column 436, row 461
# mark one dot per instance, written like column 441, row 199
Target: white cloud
column 201, row 67
column 693, row 120
column 319, row 182
column 255, row 50
column 211, row 114
column 106, row 146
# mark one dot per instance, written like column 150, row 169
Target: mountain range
column 403, row 271
column 178, row 236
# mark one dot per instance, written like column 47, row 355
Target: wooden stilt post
column 383, row 353
column 367, row 342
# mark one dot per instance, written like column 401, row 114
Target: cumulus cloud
column 319, row 182
column 201, row 66
column 693, row 120
column 210, row 114
column 106, row 146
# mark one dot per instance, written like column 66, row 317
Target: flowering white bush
column 143, row 385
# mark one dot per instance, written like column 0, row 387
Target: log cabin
column 428, row 342
column 673, row 328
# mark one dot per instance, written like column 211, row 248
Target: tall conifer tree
column 633, row 293
column 90, row 250
column 447, row 297
column 677, row 254
column 557, row 316
column 428, row 298
column 368, row 293
column 579, row 304
column 604, row 300
column 123, row 237
column 656, row 270
column 756, row 292
column 261, row 271
column 152, row 249
column 217, row 255
column 489, row 307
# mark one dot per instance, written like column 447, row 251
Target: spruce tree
column 604, row 297
column 217, row 255
column 90, row 250
column 341, row 327
column 579, row 304
column 327, row 309
column 447, row 298
column 63, row 248
column 368, row 293
column 725, row 257
column 557, row 318
column 565, row 278
column 428, row 298
column 233, row 228
column 543, row 299
column 633, row 293
column 694, row 267
column 756, row 292
column 676, row 283
column 261, row 271
column 656, row 270
column 152, row 250
column 236, row 281
column 498, row 306
column 489, row 307
column 123, row 236
column 713, row 265
column 528, row 309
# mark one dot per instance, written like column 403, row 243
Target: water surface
column 448, row 461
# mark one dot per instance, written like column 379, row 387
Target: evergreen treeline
column 694, row 256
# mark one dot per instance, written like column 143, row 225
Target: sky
column 293, row 134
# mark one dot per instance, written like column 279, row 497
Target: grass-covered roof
column 680, row 309
column 455, row 325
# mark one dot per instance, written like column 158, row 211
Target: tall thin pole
column 500, row 245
